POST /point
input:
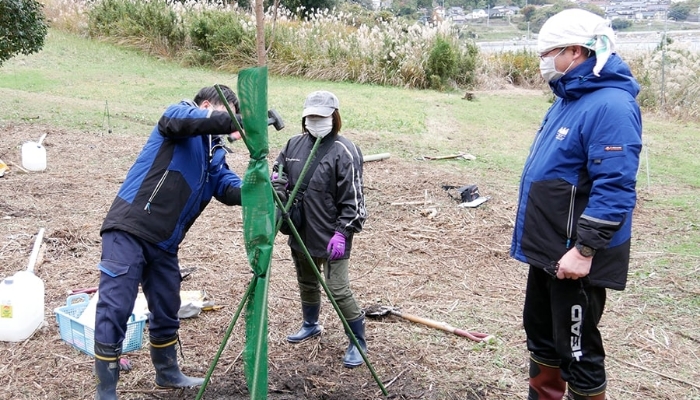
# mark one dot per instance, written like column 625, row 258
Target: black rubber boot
column 310, row 327
column 164, row 357
column 107, row 370
column 353, row 358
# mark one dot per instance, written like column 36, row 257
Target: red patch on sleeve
column 613, row 148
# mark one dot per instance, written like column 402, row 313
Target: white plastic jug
column 34, row 155
column 21, row 306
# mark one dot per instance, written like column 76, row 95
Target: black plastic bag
column 467, row 193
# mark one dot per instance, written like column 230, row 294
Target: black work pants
column 561, row 319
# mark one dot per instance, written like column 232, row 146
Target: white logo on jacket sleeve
column 562, row 132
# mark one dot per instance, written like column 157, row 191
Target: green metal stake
column 251, row 286
column 230, row 113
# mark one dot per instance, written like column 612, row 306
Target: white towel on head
column 577, row 27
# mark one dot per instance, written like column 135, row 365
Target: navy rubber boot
column 310, row 327
column 168, row 374
column 107, row 370
column 353, row 358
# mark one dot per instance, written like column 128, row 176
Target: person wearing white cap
column 577, row 194
column 334, row 210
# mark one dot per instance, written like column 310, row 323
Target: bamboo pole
column 376, row 157
column 260, row 33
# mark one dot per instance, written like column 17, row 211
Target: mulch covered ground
column 424, row 256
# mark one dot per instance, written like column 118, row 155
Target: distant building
column 455, row 11
column 479, row 13
column 497, row 12
column 456, row 15
column 635, row 10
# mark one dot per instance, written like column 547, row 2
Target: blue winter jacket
column 578, row 183
column 180, row 168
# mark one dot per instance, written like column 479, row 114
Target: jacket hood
column 581, row 80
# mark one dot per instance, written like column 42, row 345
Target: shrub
column 621, row 24
column 670, row 81
column 304, row 8
column 150, row 25
column 330, row 45
column 465, row 75
column 442, row 63
column 364, row 47
column 222, row 36
column 22, row 28
column 66, row 15
column 519, row 68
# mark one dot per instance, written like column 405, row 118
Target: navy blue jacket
column 180, row 168
column 578, row 183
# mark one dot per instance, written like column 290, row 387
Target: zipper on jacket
column 155, row 192
column 186, row 212
column 570, row 222
column 211, row 156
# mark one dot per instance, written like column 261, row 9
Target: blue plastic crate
column 82, row 337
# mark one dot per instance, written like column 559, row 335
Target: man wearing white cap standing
column 577, row 195
column 334, row 210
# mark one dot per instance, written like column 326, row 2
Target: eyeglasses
column 547, row 53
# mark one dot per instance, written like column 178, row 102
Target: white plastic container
column 21, row 306
column 33, row 156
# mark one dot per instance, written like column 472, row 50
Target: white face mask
column 319, row 126
column 548, row 68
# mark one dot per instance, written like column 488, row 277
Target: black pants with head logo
column 561, row 319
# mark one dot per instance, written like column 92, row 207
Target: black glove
column 232, row 196
column 279, row 184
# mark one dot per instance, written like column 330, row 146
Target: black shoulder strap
column 320, row 152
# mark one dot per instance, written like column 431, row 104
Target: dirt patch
column 430, row 259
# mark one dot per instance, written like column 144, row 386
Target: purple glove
column 336, row 246
column 279, row 184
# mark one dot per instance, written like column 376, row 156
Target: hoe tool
column 377, row 311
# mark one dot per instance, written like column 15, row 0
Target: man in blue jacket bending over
column 181, row 167
column 577, row 194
